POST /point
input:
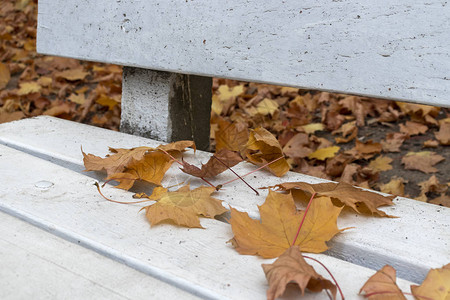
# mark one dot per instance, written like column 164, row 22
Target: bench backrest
column 393, row 49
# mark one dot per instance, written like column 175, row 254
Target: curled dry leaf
column 128, row 165
column 383, row 286
column 344, row 193
column 292, row 267
column 215, row 164
column 436, row 285
column 262, row 148
column 432, row 185
column 183, row 207
column 422, row 161
column 279, row 223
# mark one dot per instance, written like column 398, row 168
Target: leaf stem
column 180, row 163
column 251, row 172
column 334, row 279
column 236, row 174
column 303, row 219
column 115, row 201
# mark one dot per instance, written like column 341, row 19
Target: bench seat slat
column 374, row 242
column 199, row 261
column 35, row 264
column 387, row 49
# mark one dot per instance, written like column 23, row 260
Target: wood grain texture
column 35, row 264
column 373, row 243
column 197, row 260
column 389, row 49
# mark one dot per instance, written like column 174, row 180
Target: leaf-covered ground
column 395, row 147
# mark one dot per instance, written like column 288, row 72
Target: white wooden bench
column 42, row 183
column 374, row 49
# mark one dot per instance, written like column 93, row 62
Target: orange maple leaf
column 262, row 148
column 291, row 266
column 184, row 206
column 279, row 224
column 382, row 285
column 343, row 192
column 231, row 136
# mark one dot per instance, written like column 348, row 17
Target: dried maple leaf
column 381, row 163
column 368, row 147
column 436, row 285
column 73, row 74
column 151, row 168
column 297, row 146
column 443, row 135
column 266, row 107
column 395, row 187
column 442, row 200
column 413, row 128
column 5, row 75
column 267, row 149
column 422, row 161
column 432, row 185
column 292, row 267
column 344, row 193
column 215, row 164
column 115, row 162
column 324, row 153
column 393, row 141
column 179, row 146
column 231, row 136
column 279, row 224
column 183, row 207
column 383, row 286
column 313, row 127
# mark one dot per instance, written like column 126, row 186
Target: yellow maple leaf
column 107, row 101
column 183, row 207
column 266, row 107
column 279, row 224
column 77, row 98
column 28, row 88
column 313, row 127
column 324, row 153
column 395, row 187
column 226, row 96
column 435, row 286
column 381, row 163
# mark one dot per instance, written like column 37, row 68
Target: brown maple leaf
column 344, row 193
column 436, row 285
column 292, row 267
column 413, row 128
column 382, row 286
column 422, row 161
column 279, row 224
column 231, row 136
column 115, row 162
column 381, row 163
column 184, row 206
column 443, row 135
column 218, row 163
column 262, row 148
column 393, row 141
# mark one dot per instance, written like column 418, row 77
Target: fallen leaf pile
column 327, row 135
column 33, row 84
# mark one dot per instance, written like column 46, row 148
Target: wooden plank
column 197, row 260
column 38, row 265
column 373, row 243
column 389, row 49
